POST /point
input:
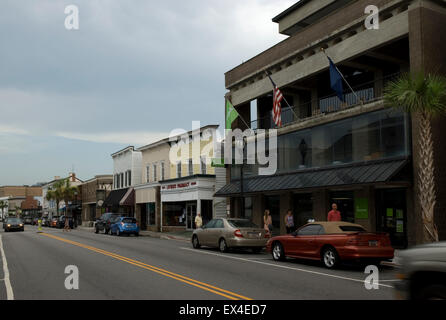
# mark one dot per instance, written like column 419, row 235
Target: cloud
column 137, row 138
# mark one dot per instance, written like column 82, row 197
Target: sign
column 389, row 212
column 361, row 208
column 399, row 226
column 399, row 214
column 218, row 163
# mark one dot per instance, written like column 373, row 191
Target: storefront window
column 151, row 214
column 174, row 214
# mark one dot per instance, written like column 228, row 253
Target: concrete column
column 320, row 205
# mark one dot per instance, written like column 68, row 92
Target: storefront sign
column 399, row 226
column 399, row 214
column 361, row 208
column 389, row 212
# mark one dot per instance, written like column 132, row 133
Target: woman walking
column 268, row 222
column 67, row 225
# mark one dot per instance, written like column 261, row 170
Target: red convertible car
column 332, row 242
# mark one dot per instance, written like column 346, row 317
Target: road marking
column 281, row 266
column 192, row 282
column 9, row 292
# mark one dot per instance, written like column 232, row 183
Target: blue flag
column 336, row 81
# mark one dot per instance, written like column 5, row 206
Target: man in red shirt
column 334, row 214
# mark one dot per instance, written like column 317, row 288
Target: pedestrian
column 268, row 222
column 289, row 222
column 334, row 214
column 198, row 221
column 67, row 225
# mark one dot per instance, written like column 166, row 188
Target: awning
column 115, row 197
column 364, row 173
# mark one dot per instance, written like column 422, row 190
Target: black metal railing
column 363, row 93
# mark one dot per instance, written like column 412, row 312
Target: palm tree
column 56, row 193
column 69, row 193
column 425, row 96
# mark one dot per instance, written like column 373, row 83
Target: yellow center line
column 195, row 283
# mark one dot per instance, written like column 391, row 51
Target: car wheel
column 96, row 230
column 433, row 292
column 330, row 258
column 195, row 242
column 278, row 252
column 118, row 233
column 136, row 234
column 223, row 246
column 106, row 231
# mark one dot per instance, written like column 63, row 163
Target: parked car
column 422, row 272
column 13, row 223
column 332, row 242
column 35, row 221
column 124, row 225
column 45, row 222
column 230, row 233
column 53, row 222
column 27, row 220
column 60, row 224
column 104, row 222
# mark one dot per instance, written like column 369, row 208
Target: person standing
column 289, row 222
column 67, row 224
column 198, row 221
column 268, row 222
column 334, row 214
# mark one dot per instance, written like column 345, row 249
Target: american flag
column 277, row 109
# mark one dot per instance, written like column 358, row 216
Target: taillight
column 238, row 233
column 354, row 241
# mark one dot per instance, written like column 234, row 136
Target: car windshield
column 129, row 220
column 14, row 220
column 352, row 229
column 242, row 224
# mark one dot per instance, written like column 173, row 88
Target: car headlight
column 9, row 225
column 21, row 225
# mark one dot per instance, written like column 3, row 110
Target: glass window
column 130, row 177
column 179, row 170
column 129, row 220
column 312, row 229
column 352, row 229
column 174, row 214
column 219, row 223
column 210, row 224
column 203, row 165
column 148, row 173
column 151, row 214
column 162, row 170
column 242, row 224
column 154, row 172
column 191, row 167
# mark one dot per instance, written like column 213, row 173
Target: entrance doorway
column 391, row 215
column 191, row 212
column 303, row 208
column 346, row 204
column 273, row 204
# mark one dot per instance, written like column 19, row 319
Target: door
column 191, row 212
column 391, row 215
column 204, row 235
column 304, row 243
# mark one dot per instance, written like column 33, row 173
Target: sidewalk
column 179, row 235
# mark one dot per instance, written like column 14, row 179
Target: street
column 132, row 268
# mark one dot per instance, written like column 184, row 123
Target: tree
column 3, row 205
column 56, row 193
column 425, row 96
column 69, row 193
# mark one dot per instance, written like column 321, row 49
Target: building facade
column 94, row 193
column 359, row 153
column 127, row 169
column 12, row 198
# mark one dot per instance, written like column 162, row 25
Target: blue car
column 124, row 225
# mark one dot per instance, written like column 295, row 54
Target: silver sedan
column 229, row 233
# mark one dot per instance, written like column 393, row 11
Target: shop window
column 179, row 170
column 174, row 214
column 151, row 220
column 345, row 203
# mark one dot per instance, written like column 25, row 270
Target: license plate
column 253, row 234
column 373, row 243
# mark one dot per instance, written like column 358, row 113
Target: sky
column 133, row 71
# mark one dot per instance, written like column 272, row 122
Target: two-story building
column 94, row 193
column 127, row 168
column 359, row 153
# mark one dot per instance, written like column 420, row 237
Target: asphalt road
column 112, row 267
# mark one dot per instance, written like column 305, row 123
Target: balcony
column 366, row 92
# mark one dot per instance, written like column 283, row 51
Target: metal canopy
column 364, row 173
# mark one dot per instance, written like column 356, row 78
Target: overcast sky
column 133, row 71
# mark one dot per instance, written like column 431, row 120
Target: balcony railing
column 364, row 93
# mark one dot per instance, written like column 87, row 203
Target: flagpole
column 274, row 85
column 249, row 127
column 357, row 97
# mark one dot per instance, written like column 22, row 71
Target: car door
column 303, row 242
column 204, row 235
column 217, row 232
